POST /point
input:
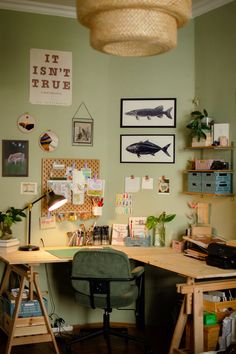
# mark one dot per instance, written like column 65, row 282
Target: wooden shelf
column 224, row 171
column 210, row 194
column 217, row 147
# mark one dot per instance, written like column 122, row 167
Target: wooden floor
column 154, row 337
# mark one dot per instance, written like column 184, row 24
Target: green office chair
column 102, row 278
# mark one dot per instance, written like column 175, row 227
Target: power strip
column 66, row 328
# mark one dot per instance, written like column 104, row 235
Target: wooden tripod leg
column 44, row 311
column 179, row 328
column 5, row 279
column 198, row 320
column 15, row 315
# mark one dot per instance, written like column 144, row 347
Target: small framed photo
column 148, row 112
column 153, row 148
column 28, row 188
column 15, row 158
column 82, row 131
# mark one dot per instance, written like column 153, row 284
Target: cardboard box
column 222, row 309
column 211, row 335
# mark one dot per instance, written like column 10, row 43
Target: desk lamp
column 55, row 201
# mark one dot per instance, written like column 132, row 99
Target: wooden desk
column 199, row 278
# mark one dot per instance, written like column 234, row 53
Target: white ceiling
column 66, row 8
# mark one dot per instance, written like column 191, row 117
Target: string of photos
column 82, row 126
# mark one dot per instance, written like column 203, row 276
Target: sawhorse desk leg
column 196, row 290
column 30, row 330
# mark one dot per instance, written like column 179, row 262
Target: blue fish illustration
column 146, row 148
column 151, row 112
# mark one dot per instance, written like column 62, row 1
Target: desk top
column 161, row 257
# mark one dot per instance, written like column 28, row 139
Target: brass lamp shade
column 133, row 28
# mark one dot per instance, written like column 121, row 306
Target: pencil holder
column 97, row 211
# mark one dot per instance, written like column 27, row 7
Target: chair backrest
column 101, row 263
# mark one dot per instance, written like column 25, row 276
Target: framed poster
column 15, row 158
column 153, row 148
column 82, row 131
column 148, row 112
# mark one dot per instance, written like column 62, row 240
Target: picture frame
column 15, row 158
column 152, row 148
column 82, row 131
column 29, row 188
column 48, row 141
column 148, row 112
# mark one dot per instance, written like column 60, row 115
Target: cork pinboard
column 83, row 211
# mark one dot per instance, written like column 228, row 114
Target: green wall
column 215, row 73
column 101, row 81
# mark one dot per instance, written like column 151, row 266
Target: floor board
column 153, row 336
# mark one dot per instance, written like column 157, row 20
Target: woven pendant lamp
column 133, row 28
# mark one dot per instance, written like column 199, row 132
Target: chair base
column 107, row 331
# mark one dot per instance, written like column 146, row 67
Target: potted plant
column 7, row 219
column 157, row 223
column 200, row 125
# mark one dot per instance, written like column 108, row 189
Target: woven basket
column 133, row 27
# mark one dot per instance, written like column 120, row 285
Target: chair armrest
column 137, row 271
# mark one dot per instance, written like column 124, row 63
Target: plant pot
column 203, row 142
column 160, row 235
column 5, row 231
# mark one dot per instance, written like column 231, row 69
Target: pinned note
column 132, row 184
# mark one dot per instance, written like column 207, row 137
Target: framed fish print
column 148, row 112
column 153, row 148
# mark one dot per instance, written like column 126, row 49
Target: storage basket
column 138, row 241
column 28, row 308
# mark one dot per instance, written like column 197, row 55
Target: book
column 9, row 243
column 119, row 232
column 9, row 240
column 195, row 254
column 203, row 240
column 137, row 226
column 8, row 249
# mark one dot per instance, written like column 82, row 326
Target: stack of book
column 10, row 245
column 196, row 246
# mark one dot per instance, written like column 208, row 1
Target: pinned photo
column 163, row 185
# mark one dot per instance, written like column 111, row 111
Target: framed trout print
column 152, row 148
column 148, row 112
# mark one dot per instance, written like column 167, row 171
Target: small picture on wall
column 26, row 123
column 82, row 131
column 15, row 156
column 153, row 148
column 28, row 188
column 148, row 112
column 48, row 141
